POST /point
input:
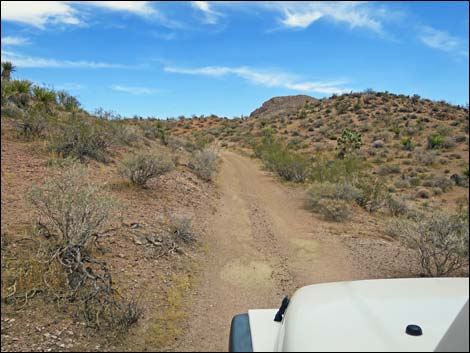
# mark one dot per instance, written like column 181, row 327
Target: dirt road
column 262, row 246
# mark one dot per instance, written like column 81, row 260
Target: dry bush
column 441, row 182
column 339, row 191
column 31, row 124
column 396, row 205
column 81, row 139
column 425, row 158
column 125, row 135
column 72, row 211
column 142, row 167
column 11, row 110
column 387, row 169
column 73, row 208
column 334, row 210
column 332, row 200
column 180, row 227
column 440, row 241
column 204, row 163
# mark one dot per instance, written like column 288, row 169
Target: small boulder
column 378, row 144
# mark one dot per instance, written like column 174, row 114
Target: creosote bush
column 204, row 163
column 337, row 170
column 142, row 167
column 374, row 193
column 289, row 165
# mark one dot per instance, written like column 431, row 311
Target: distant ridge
column 282, row 105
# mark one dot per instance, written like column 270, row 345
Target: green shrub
column 466, row 172
column 407, row 144
column 435, row 141
column 289, row 165
column 143, row 167
column 338, row 169
column 374, row 193
column 204, row 163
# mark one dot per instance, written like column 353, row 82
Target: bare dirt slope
column 263, row 245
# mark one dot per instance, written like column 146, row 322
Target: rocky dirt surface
column 131, row 250
column 263, row 245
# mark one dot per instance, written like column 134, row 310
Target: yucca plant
column 21, row 86
column 44, row 95
column 7, row 69
column 16, row 91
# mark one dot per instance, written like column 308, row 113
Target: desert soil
column 262, row 245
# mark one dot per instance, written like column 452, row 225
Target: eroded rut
column 262, row 246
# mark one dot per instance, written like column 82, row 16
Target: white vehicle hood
column 363, row 316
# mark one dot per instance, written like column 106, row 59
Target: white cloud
column 264, row 78
column 14, row 41
column 442, row 40
column 141, row 8
column 21, row 60
column 211, row 16
column 302, row 14
column 356, row 14
column 133, row 89
column 38, row 13
column 301, row 20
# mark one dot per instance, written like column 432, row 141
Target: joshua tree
column 349, row 142
column 7, row 69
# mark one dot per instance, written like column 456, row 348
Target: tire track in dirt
column 262, row 245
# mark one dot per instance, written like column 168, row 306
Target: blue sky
column 181, row 58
